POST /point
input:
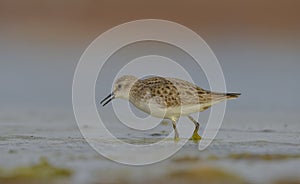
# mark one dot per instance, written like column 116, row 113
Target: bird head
column 121, row 88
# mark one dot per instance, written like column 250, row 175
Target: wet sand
column 260, row 152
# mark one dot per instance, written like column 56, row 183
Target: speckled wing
column 190, row 94
column 168, row 92
column 156, row 89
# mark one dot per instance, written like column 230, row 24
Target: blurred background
column 256, row 42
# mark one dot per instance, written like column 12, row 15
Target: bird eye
column 119, row 86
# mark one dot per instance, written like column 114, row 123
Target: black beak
column 107, row 99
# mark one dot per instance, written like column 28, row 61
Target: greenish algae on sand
column 203, row 174
column 42, row 172
column 184, row 159
column 254, row 157
column 265, row 157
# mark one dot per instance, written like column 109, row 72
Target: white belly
column 170, row 112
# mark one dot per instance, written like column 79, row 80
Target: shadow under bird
column 167, row 98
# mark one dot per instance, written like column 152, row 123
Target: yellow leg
column 176, row 137
column 196, row 137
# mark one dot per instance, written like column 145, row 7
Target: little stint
column 167, row 98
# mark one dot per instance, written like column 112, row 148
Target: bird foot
column 176, row 139
column 196, row 137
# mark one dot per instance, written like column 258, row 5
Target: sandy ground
column 244, row 151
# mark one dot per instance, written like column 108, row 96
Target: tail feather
column 232, row 95
column 219, row 97
column 224, row 96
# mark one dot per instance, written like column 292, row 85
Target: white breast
column 157, row 111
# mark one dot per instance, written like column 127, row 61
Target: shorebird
column 167, row 98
